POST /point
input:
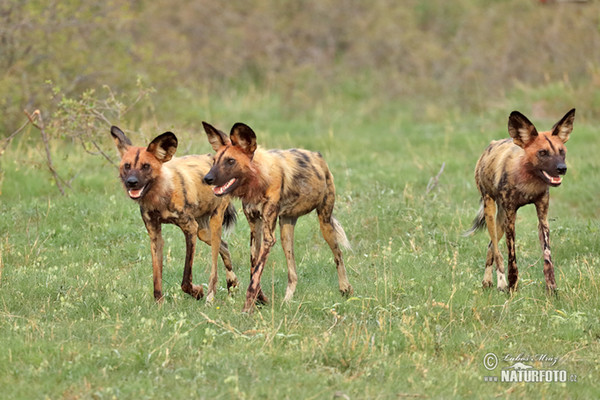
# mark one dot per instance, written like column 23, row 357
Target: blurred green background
column 430, row 59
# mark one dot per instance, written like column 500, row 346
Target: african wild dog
column 170, row 191
column 275, row 183
column 512, row 173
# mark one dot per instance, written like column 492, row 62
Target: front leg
column 255, row 223
column 509, row 230
column 269, row 219
column 541, row 207
column 156, row 250
column 256, row 226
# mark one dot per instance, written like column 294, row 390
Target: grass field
column 78, row 319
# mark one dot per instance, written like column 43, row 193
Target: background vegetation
column 434, row 57
column 389, row 92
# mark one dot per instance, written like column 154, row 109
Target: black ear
column 244, row 137
column 163, row 147
column 564, row 127
column 122, row 141
column 521, row 129
column 216, row 138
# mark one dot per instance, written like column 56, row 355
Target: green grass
column 78, row 319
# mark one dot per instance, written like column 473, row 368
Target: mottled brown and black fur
column 512, row 173
column 171, row 191
column 284, row 184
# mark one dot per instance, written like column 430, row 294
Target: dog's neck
column 527, row 176
column 159, row 192
column 254, row 186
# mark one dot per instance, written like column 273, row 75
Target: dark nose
column 131, row 181
column 561, row 169
column 209, row 178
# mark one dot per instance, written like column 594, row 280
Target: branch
column 9, row 138
column 32, row 118
column 433, row 182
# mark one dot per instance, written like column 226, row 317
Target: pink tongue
column 134, row 194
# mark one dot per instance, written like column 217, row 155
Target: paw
column 232, row 284
column 210, row 298
column 347, row 291
column 289, row 294
column 502, row 286
column 261, row 298
column 552, row 289
column 196, row 292
column 248, row 307
column 487, row 284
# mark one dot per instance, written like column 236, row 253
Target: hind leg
column 216, row 229
column 206, row 237
column 333, row 233
column 230, row 276
column 287, row 226
column 500, row 272
column 187, row 286
column 493, row 254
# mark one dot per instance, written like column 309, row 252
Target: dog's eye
column 127, row 166
column 230, row 161
column 145, row 167
column 543, row 153
column 561, row 152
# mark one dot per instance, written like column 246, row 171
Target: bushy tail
column 340, row 235
column 478, row 222
column 230, row 218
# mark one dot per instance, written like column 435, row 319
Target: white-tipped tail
column 478, row 222
column 340, row 235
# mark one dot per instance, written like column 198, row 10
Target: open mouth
column 135, row 194
column 553, row 180
column 221, row 190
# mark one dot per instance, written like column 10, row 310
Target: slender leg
column 509, row 230
column 332, row 232
column 493, row 255
column 287, row 225
column 256, row 227
column 190, row 231
column 544, row 234
column 217, row 247
column 269, row 216
column 500, row 275
column 205, row 236
column 156, row 250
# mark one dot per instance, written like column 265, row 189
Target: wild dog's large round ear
column 216, row 137
column 163, row 147
column 564, row 127
column 122, row 141
column 244, row 137
column 521, row 129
